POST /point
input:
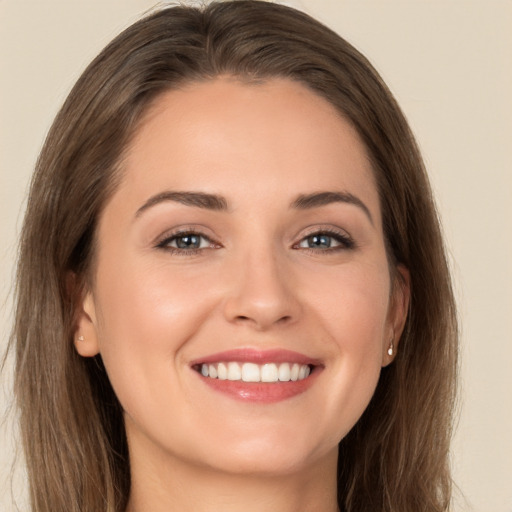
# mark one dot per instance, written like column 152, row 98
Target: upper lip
column 251, row 355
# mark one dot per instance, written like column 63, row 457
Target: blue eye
column 324, row 241
column 185, row 242
column 317, row 242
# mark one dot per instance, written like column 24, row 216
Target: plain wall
column 450, row 65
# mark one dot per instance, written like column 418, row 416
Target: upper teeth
column 251, row 372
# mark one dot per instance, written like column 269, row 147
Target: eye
column 186, row 242
column 326, row 241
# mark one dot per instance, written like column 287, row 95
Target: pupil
column 319, row 241
column 187, row 241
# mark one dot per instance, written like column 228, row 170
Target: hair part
column 396, row 457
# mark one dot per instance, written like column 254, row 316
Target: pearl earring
column 390, row 349
column 81, row 338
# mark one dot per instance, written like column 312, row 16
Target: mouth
column 258, row 376
column 252, row 372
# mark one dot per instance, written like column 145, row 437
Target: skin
column 256, row 282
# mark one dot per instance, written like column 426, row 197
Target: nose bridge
column 262, row 293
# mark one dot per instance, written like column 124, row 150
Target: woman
column 232, row 289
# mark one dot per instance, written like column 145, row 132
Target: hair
column 395, row 459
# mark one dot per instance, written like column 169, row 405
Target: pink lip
column 249, row 355
column 260, row 392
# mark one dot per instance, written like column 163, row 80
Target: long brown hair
column 396, row 457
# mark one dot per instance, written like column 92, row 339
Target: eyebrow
column 196, row 199
column 308, row 201
column 219, row 203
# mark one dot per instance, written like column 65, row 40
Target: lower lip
column 261, row 392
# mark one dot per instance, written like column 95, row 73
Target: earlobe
column 85, row 337
column 398, row 312
column 388, row 352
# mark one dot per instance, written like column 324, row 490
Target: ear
column 85, row 337
column 397, row 314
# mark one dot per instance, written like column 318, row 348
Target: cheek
column 354, row 305
column 362, row 329
column 145, row 314
column 354, row 316
column 146, row 305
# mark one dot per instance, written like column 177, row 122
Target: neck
column 174, row 484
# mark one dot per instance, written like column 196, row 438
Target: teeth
column 269, row 373
column 294, row 374
column 222, row 371
column 284, row 372
column 234, row 371
column 251, row 372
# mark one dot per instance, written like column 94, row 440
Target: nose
column 262, row 293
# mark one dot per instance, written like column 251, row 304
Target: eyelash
column 344, row 240
column 164, row 244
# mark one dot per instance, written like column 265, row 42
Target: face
column 242, row 300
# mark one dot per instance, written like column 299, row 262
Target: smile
column 258, row 376
column 252, row 372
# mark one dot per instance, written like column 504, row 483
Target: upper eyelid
column 185, row 233
column 341, row 239
column 200, row 231
column 182, row 231
column 326, row 229
column 344, row 238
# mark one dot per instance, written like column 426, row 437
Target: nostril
column 260, row 312
column 282, row 320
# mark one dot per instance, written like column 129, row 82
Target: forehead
column 246, row 139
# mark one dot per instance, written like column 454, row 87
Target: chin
column 270, row 456
column 271, row 463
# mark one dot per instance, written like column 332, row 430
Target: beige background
column 450, row 65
